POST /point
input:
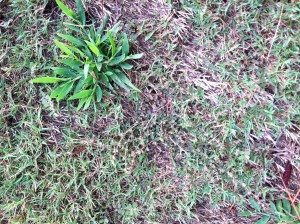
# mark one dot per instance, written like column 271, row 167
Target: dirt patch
column 52, row 10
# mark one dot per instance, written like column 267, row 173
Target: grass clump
column 90, row 60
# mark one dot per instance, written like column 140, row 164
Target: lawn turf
column 217, row 118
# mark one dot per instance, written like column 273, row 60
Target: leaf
column 74, row 28
column 64, row 48
column 125, row 44
column 100, row 58
column 72, row 39
column 98, row 93
column 287, row 173
column 66, row 72
column 88, row 81
column 117, row 60
column 86, row 70
column 82, row 94
column 134, row 56
column 93, row 48
column 279, row 206
column 149, row 35
column 294, row 211
column 65, row 90
column 102, row 26
column 105, row 80
column 98, row 41
column 287, row 219
column 263, row 220
column 66, row 10
column 79, row 85
column 118, row 50
column 109, row 73
column 115, row 28
column 81, row 102
column 126, row 66
column 254, row 204
column 88, row 102
column 246, row 214
column 48, row 80
column 88, row 53
column 81, row 12
column 273, row 206
column 116, row 79
column 125, row 80
column 76, row 50
column 286, row 205
column 92, row 33
column 70, row 62
column 112, row 43
column 104, row 38
column 99, row 66
column 56, row 91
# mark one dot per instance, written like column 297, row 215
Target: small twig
column 291, row 199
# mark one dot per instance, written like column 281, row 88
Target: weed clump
column 91, row 59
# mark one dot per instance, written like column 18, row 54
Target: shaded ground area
column 215, row 125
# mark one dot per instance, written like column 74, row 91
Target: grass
column 219, row 87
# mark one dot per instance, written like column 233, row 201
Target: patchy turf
column 217, row 120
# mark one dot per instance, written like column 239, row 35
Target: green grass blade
column 93, row 47
column 80, row 104
column 70, row 62
column 79, row 85
column 254, row 204
column 86, row 70
column 56, row 91
column 106, row 82
column 119, row 82
column 81, row 12
column 98, row 93
column 102, row 26
column 126, row 66
column 115, row 28
column 75, row 49
column 112, row 43
column 103, row 38
column 48, row 80
column 65, row 90
column 72, row 39
column 279, row 206
column 263, row 220
column 125, row 80
column 125, row 45
column 134, row 56
column 246, row 214
column 88, row 102
column 117, row 60
column 82, row 94
column 66, row 72
column 64, row 48
column 74, row 28
column 66, row 10
column 286, row 205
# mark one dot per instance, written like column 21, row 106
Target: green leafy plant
column 281, row 212
column 91, row 60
